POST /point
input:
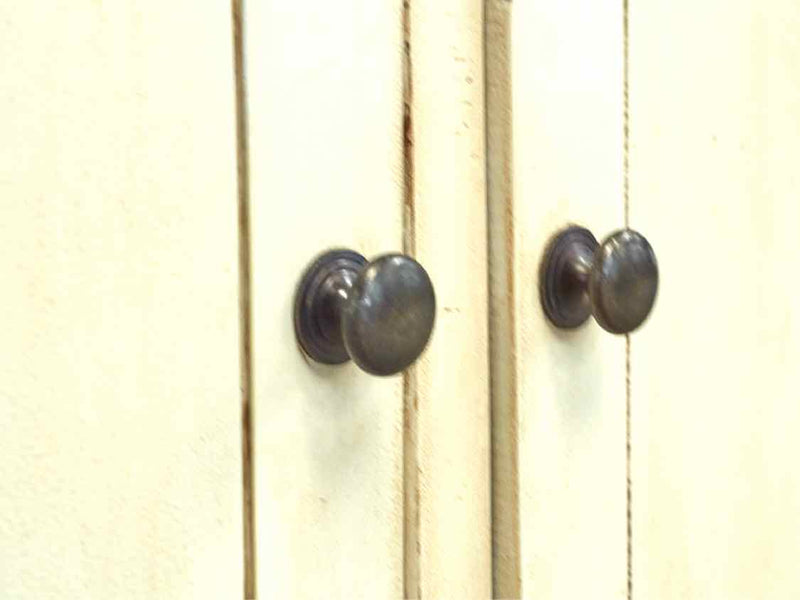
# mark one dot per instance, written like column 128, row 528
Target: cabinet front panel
column 119, row 374
column 324, row 96
column 566, row 80
column 447, row 474
column 715, row 118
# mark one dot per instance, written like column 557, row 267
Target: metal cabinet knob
column 616, row 281
column 379, row 314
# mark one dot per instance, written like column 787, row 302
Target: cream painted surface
column 119, row 379
column 715, row 109
column 568, row 167
column 325, row 102
column 449, row 220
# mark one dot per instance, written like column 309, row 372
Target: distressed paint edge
column 506, row 559
column 412, row 580
column 245, row 303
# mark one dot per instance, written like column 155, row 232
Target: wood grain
column 506, row 574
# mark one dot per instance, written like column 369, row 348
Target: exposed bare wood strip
column 245, row 311
column 502, row 336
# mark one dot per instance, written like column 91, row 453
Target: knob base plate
column 316, row 317
column 563, row 277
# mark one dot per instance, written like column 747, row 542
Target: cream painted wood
column 326, row 170
column 451, row 384
column 119, row 378
column 567, row 70
column 715, row 118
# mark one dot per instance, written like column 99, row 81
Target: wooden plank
column 567, row 72
column 714, row 180
column 325, row 104
column 119, row 377
column 448, row 224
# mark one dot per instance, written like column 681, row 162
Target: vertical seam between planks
column 245, row 315
column 412, row 585
column 628, row 486
column 506, row 569
column 626, row 200
column 625, row 113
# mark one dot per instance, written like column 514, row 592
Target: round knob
column 616, row 281
column 379, row 314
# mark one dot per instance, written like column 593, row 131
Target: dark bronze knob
column 615, row 281
column 379, row 314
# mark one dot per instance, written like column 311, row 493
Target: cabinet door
column 365, row 131
column 558, row 397
column 119, row 378
column 715, row 118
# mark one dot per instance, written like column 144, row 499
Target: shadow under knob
column 615, row 281
column 379, row 314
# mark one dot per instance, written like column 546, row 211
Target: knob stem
column 320, row 301
column 564, row 277
column 334, row 293
column 578, row 267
